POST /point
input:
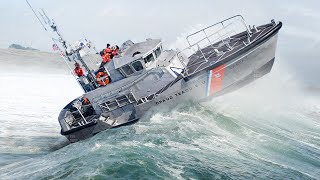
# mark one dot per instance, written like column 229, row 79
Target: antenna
column 45, row 15
column 73, row 53
column 36, row 15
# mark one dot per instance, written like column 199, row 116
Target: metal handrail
column 195, row 47
column 221, row 22
column 207, row 37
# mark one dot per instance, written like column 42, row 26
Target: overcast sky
column 116, row 21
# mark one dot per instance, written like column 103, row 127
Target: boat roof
column 143, row 47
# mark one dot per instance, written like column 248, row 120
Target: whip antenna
column 36, row 15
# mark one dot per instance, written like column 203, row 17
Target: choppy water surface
column 263, row 131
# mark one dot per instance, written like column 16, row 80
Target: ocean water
column 269, row 129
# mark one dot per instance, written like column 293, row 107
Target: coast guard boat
column 218, row 59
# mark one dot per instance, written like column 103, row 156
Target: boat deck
column 216, row 52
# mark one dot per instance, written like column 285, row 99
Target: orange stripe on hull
column 217, row 75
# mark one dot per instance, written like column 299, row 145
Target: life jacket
column 107, row 50
column 102, row 78
column 106, row 57
column 78, row 71
column 85, row 101
column 115, row 52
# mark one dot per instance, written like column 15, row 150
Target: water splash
column 269, row 129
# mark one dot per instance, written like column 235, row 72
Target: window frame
column 153, row 56
column 155, row 52
column 124, row 72
column 135, row 68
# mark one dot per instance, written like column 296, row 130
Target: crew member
column 78, row 70
column 85, row 100
column 108, row 49
column 104, row 50
column 86, row 107
column 115, row 51
column 106, row 57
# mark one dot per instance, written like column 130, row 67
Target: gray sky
column 116, row 21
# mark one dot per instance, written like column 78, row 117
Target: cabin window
column 127, row 70
column 158, row 52
column 137, row 65
column 149, row 58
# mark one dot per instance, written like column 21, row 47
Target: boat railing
column 82, row 119
column 118, row 102
column 214, row 37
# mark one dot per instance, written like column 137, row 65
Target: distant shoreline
column 20, row 47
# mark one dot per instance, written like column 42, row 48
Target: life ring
column 102, row 79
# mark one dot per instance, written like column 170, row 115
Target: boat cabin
column 134, row 59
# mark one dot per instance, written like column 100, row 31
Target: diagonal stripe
column 217, row 75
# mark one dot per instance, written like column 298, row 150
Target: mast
column 67, row 52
